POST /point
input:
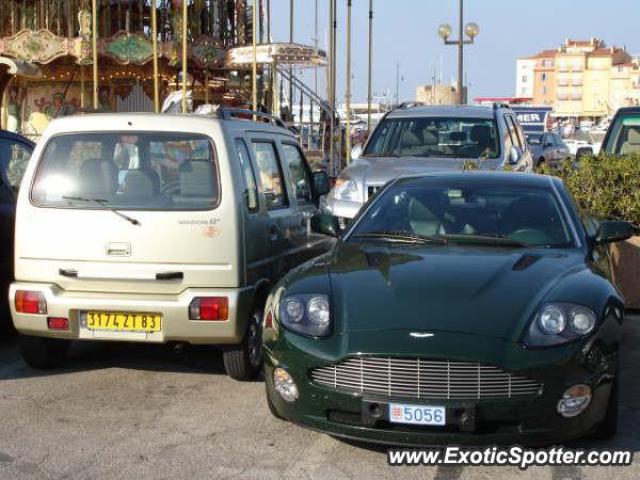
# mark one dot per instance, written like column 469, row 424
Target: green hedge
column 606, row 186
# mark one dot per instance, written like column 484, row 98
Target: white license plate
column 417, row 414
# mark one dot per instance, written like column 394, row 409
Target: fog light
column 574, row 401
column 58, row 323
column 285, row 385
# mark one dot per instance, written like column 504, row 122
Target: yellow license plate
column 124, row 322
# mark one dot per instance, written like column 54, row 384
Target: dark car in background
column 15, row 152
column 548, row 148
column 458, row 308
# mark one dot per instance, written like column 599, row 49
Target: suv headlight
column 557, row 323
column 306, row 314
column 346, row 189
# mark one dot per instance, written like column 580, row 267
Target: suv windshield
column 137, row 171
column 625, row 136
column 435, row 137
column 486, row 213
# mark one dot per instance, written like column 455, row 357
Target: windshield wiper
column 406, row 237
column 100, row 202
column 488, row 240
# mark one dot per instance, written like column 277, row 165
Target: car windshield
column 487, row 213
column 435, row 137
column 137, row 171
column 625, row 136
column 534, row 139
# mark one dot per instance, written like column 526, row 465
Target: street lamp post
column 471, row 30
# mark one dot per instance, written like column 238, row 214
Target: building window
column 524, row 79
column 543, row 77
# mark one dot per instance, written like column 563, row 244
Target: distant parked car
column 574, row 144
column 417, row 139
column 548, row 148
column 15, row 152
column 622, row 137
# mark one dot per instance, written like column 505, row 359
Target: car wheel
column 609, row 426
column 43, row 353
column 271, row 406
column 244, row 362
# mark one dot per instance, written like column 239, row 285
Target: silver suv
column 418, row 139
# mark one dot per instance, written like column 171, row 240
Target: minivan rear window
column 128, row 171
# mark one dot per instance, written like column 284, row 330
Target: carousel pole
column 82, row 87
column 369, row 86
column 154, row 35
column 184, row 56
column 94, row 38
column 206, row 86
column 348, row 93
column 254, row 78
column 331, row 83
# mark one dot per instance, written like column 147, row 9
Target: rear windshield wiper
column 100, row 202
column 488, row 240
column 406, row 237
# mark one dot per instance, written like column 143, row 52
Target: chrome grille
column 417, row 378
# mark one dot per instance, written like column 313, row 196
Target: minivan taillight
column 30, row 302
column 209, row 309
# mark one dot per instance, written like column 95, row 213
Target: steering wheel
column 531, row 236
column 170, row 187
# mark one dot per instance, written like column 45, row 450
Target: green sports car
column 457, row 308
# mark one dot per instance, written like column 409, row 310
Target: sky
column 405, row 33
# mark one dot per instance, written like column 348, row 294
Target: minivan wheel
column 244, row 362
column 43, row 353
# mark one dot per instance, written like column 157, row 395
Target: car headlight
column 346, row 189
column 557, row 323
column 306, row 314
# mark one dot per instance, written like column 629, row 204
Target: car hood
column 379, row 170
column 483, row 291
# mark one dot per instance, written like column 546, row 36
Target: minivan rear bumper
column 176, row 326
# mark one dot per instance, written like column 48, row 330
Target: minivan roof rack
column 410, row 104
column 233, row 113
column 497, row 105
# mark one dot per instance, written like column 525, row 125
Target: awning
column 21, row 68
column 281, row 53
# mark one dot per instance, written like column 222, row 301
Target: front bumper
column 176, row 326
column 531, row 420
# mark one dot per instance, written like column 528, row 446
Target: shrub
column 607, row 186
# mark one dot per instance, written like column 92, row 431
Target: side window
column 251, row 190
column 515, row 134
column 271, row 178
column 507, row 136
column 298, row 171
column 14, row 158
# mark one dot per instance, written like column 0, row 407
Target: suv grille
column 416, row 378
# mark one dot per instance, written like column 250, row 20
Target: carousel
column 61, row 57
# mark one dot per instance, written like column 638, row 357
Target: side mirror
column 321, row 184
column 613, row 231
column 584, row 152
column 325, row 223
column 515, row 154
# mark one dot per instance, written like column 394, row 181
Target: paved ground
column 144, row 412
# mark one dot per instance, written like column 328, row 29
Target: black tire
column 609, row 426
column 244, row 362
column 271, row 406
column 43, row 353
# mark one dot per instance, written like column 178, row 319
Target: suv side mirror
column 515, row 154
column 320, row 184
column 613, row 231
column 325, row 223
column 584, row 152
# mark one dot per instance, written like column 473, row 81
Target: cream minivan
column 159, row 228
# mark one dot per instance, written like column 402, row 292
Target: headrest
column 430, row 137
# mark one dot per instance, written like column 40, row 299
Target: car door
column 308, row 243
column 274, row 194
column 563, row 149
column 14, row 157
column 516, row 138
